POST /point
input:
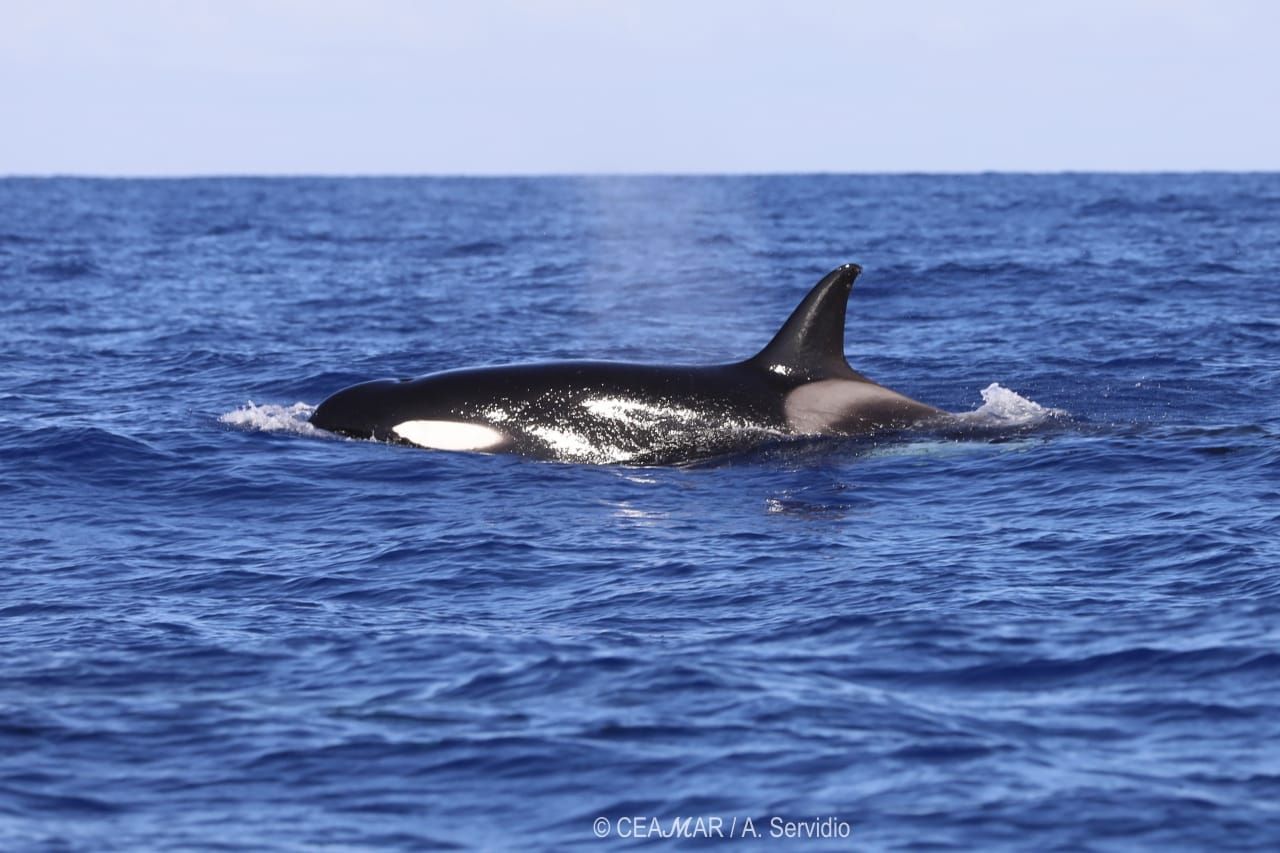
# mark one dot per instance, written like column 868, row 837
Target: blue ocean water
column 221, row 630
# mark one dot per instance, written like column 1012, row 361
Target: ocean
column 222, row 629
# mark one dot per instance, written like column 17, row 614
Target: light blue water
column 218, row 630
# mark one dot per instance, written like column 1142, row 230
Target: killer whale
column 641, row 414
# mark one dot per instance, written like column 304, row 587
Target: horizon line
column 342, row 175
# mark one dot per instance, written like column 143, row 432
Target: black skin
column 642, row 413
column 552, row 395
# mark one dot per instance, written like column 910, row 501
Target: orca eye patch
column 448, row 435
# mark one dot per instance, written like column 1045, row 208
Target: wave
column 76, row 445
column 64, row 270
column 272, row 418
column 1002, row 408
column 477, row 247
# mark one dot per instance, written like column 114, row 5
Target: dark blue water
column 219, row 629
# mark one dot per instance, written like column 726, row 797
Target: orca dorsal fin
column 810, row 345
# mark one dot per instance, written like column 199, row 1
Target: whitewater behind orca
column 640, row 414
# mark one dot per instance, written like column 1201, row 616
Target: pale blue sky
column 163, row 87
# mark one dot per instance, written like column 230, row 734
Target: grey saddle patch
column 838, row 405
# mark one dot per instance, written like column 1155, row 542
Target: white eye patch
column 449, row 435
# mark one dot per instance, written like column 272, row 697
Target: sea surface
column 221, row 629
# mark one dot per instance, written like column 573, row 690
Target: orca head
column 360, row 411
column 385, row 410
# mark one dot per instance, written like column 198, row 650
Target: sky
column 480, row 87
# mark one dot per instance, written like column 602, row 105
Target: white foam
column 1002, row 407
column 271, row 418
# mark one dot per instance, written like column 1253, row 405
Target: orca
column 640, row 414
